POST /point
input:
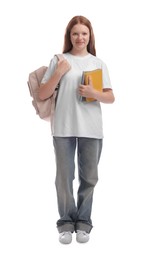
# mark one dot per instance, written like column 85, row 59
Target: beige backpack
column 44, row 108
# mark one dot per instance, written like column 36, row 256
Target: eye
column 74, row 34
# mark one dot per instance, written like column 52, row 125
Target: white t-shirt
column 73, row 117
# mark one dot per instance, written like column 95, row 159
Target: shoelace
column 82, row 232
column 65, row 232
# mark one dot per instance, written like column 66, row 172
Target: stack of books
column 96, row 78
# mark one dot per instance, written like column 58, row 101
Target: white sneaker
column 82, row 236
column 65, row 237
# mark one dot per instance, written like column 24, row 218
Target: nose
column 80, row 36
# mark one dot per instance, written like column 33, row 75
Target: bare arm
column 47, row 89
column 106, row 96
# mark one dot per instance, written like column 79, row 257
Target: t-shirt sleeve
column 105, row 77
column 49, row 70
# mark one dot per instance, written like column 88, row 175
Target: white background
column 31, row 33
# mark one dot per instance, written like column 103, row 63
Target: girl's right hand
column 63, row 66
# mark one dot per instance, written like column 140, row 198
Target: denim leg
column 89, row 151
column 65, row 167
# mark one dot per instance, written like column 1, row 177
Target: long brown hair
column 79, row 20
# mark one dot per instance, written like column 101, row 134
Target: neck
column 79, row 53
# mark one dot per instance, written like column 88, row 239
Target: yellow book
column 96, row 78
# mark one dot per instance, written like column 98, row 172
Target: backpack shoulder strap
column 60, row 56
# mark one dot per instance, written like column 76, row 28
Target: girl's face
column 79, row 37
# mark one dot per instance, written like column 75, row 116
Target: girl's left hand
column 87, row 90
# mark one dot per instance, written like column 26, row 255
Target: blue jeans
column 76, row 217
